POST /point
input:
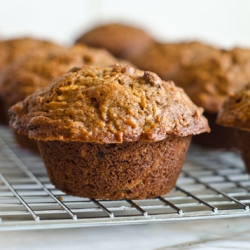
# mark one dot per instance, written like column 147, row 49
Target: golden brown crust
column 235, row 111
column 108, row 105
column 12, row 49
column 121, row 40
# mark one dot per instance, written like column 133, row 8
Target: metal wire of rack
column 212, row 184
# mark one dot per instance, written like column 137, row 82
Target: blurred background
column 224, row 23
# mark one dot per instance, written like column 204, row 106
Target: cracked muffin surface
column 108, row 105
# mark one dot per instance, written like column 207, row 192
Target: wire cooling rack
column 212, row 184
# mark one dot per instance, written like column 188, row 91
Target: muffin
column 11, row 50
column 167, row 59
column 110, row 132
column 36, row 71
column 209, row 83
column 235, row 113
column 121, row 40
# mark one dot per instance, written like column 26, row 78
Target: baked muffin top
column 12, row 49
column 235, row 111
column 108, row 105
column 37, row 70
column 167, row 59
column 121, row 40
column 210, row 82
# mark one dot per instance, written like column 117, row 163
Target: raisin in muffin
column 110, row 132
column 235, row 113
column 209, row 83
column 121, row 40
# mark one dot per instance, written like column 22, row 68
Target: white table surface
column 200, row 234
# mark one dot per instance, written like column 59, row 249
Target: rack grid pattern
column 212, row 184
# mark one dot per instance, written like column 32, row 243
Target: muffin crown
column 236, row 110
column 13, row 49
column 108, row 105
column 121, row 40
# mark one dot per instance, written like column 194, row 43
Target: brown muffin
column 11, row 50
column 121, row 40
column 235, row 113
column 209, row 83
column 110, row 132
column 167, row 59
column 36, row 71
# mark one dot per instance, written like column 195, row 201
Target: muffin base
column 25, row 142
column 131, row 170
column 219, row 137
column 3, row 117
column 244, row 144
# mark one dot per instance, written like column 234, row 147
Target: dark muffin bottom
column 244, row 144
column 219, row 137
column 3, row 117
column 134, row 170
column 25, row 142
